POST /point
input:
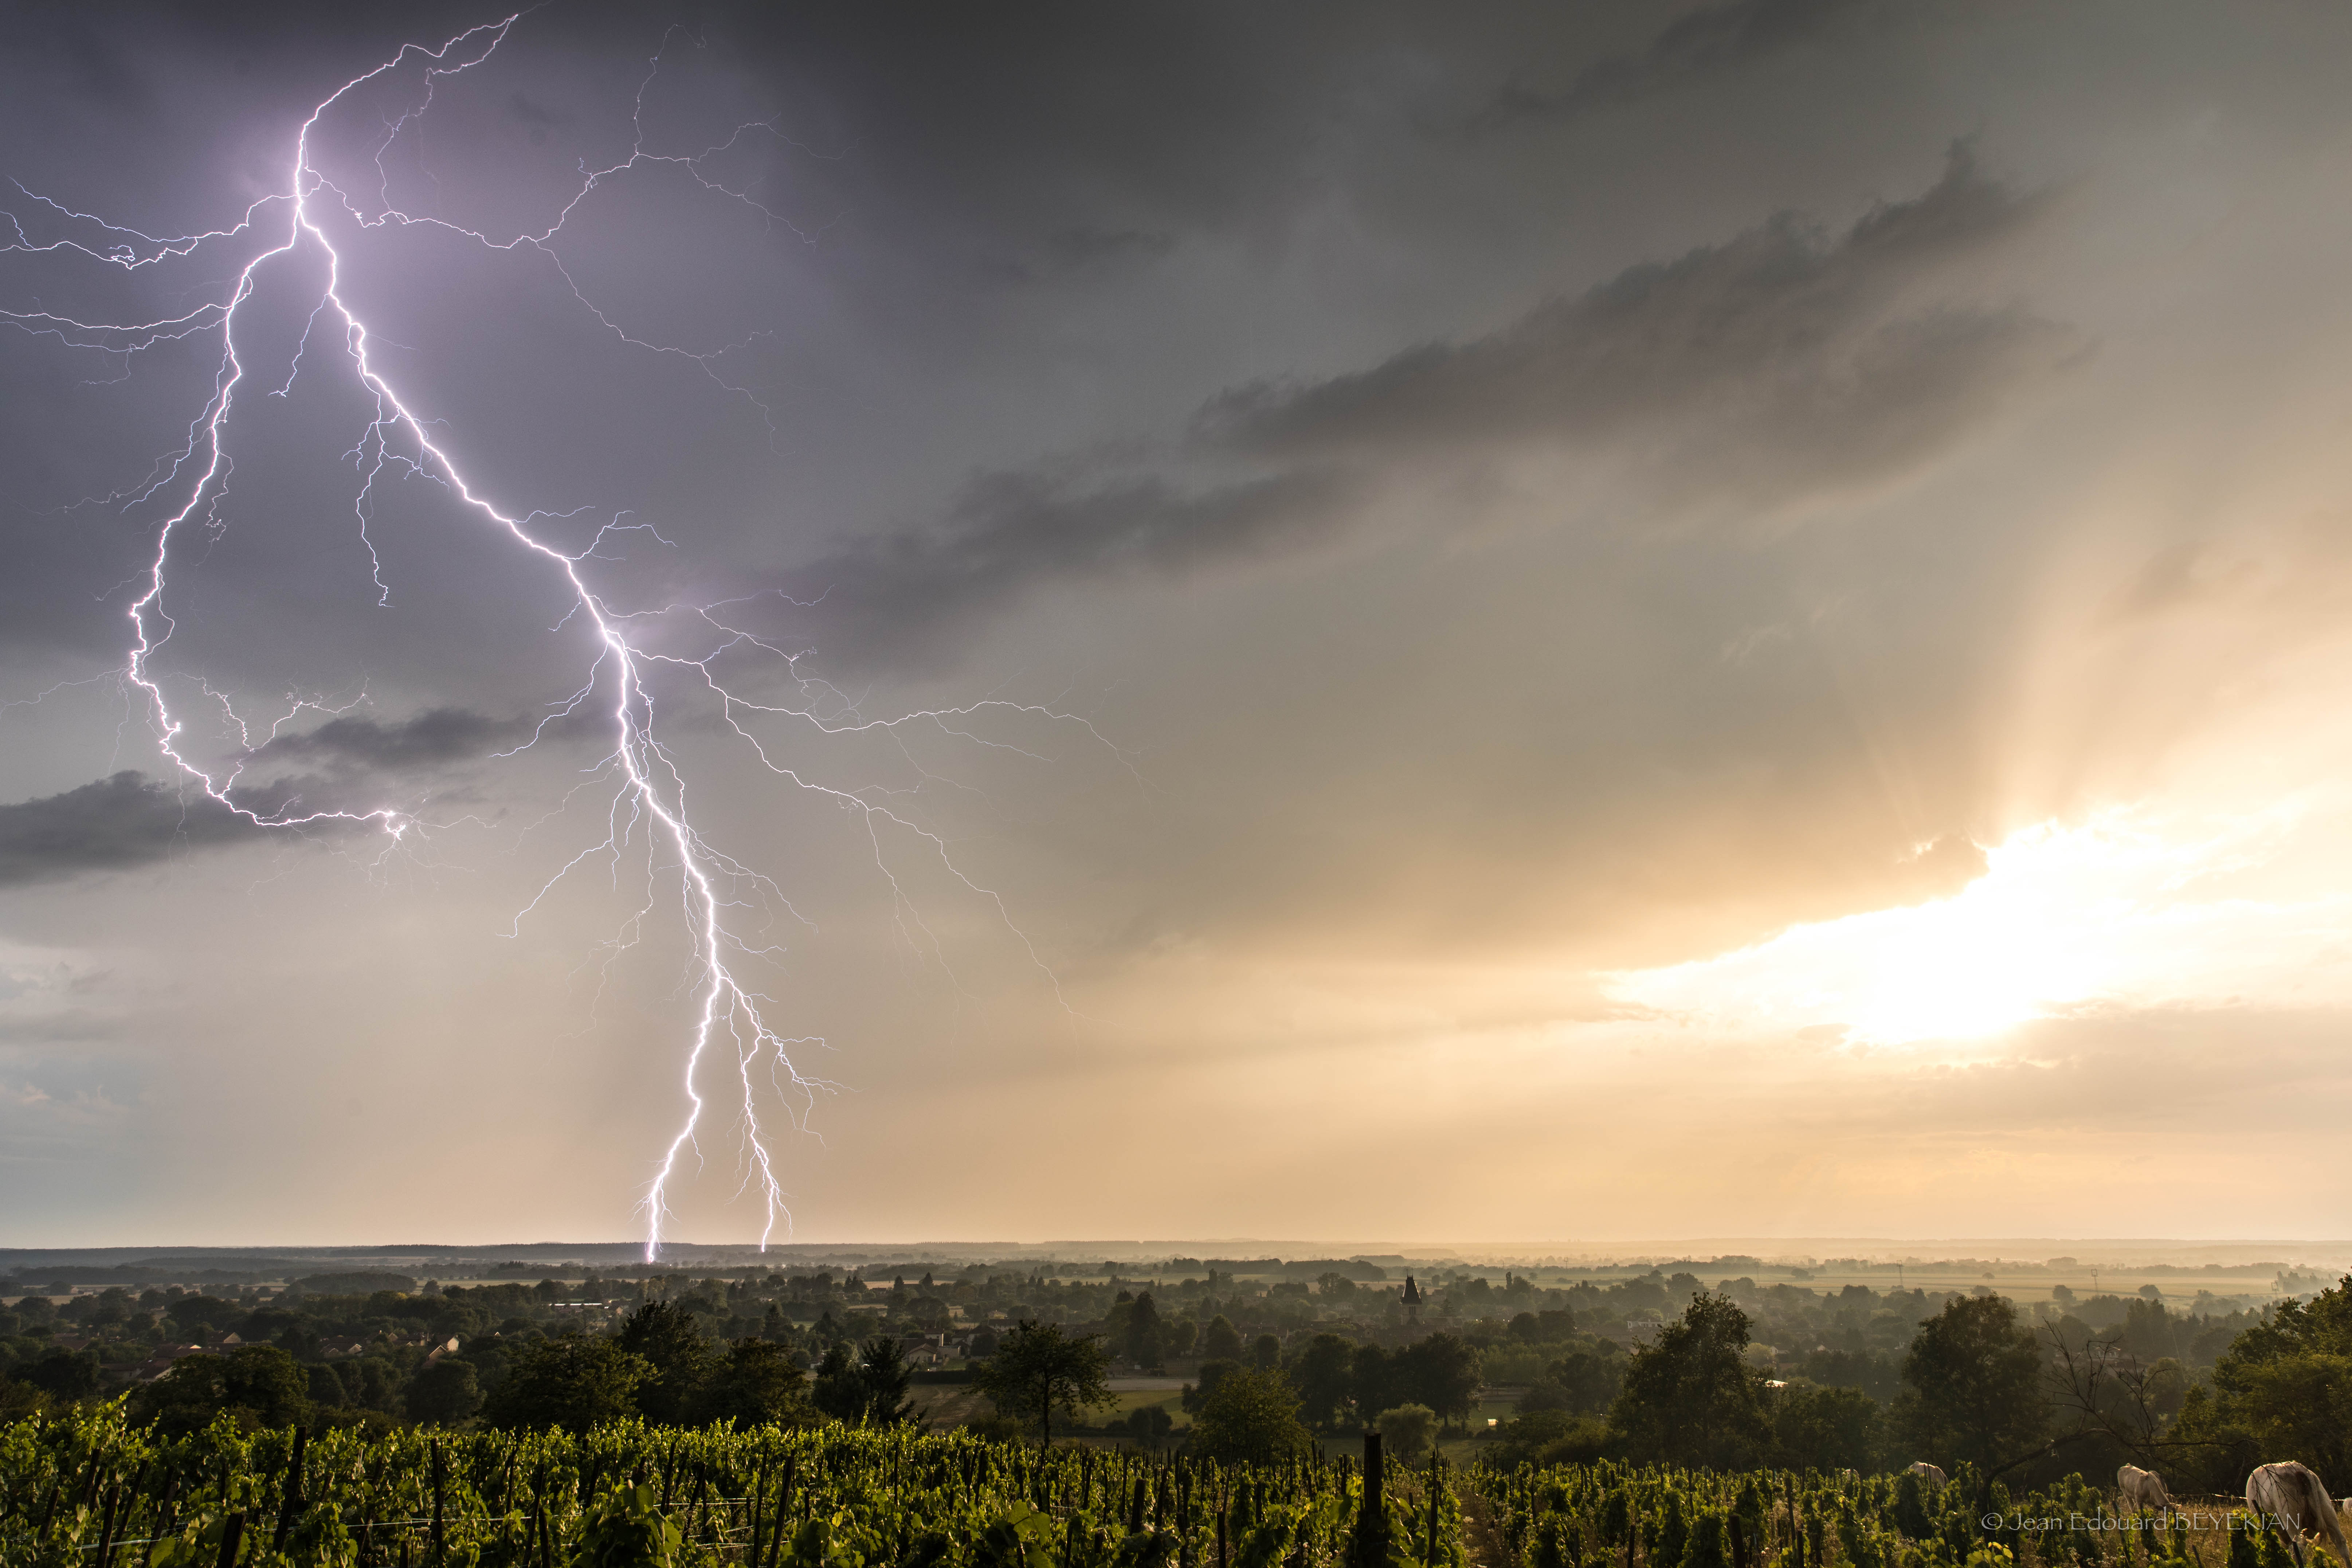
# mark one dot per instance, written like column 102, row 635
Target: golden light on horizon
column 2114, row 911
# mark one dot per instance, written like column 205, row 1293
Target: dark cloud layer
column 913, row 598
column 130, row 820
column 1781, row 365
column 1784, row 353
column 433, row 738
column 114, row 824
column 1709, row 42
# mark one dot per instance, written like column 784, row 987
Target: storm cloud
column 1711, row 41
column 1781, row 366
column 431, row 739
column 1775, row 364
column 116, row 824
column 356, row 764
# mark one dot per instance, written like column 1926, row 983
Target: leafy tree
column 1149, row 1425
column 2282, row 1387
column 1143, row 1331
column 1253, row 1419
column 1407, row 1431
column 62, row 1373
column 1879, row 1376
column 838, row 1392
column 1221, row 1340
column 1373, row 1372
column 666, row 1336
column 326, row 1390
column 193, row 1315
column 1550, row 1437
column 1690, row 1397
column 268, row 1381
column 1581, row 1382
column 1439, row 1371
column 1323, row 1372
column 571, row 1381
column 883, row 1376
column 20, row 1401
column 1037, row 1369
column 1972, row 1387
column 443, row 1393
column 1265, row 1352
column 373, row 1383
column 257, row 1385
column 1826, row 1428
column 757, row 1385
column 1211, row 1373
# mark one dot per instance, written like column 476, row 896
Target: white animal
column 1927, row 1472
column 2288, row 1494
column 2142, row 1488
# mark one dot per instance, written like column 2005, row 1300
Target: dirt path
column 1481, row 1541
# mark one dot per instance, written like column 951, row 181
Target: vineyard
column 93, row 1490
column 1607, row 1515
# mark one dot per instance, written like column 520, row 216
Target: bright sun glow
column 2113, row 913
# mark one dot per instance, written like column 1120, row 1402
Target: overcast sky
column 1360, row 621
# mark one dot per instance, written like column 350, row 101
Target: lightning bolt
column 650, row 789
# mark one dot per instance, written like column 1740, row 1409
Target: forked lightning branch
column 314, row 219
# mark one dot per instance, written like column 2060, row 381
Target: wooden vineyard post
column 1371, row 1520
column 1429, row 1558
column 232, row 1536
column 440, row 1542
column 289, row 1502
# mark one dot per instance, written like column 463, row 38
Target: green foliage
column 1550, row 1437
column 2282, row 1387
column 61, row 1373
column 757, row 1385
column 197, row 1546
column 625, row 1529
column 1582, row 1381
column 1440, row 1371
column 1690, row 1396
column 627, row 1495
column 867, row 1386
column 254, row 1385
column 1972, row 1387
column 1143, row 1331
column 1037, row 1369
column 443, row 1393
column 1211, row 1373
column 1555, row 1544
column 1407, row 1431
column 1020, row 1538
column 1322, row 1373
column 1251, row 1418
column 665, row 1336
column 2243, row 1551
column 1826, row 1428
column 573, row 1382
